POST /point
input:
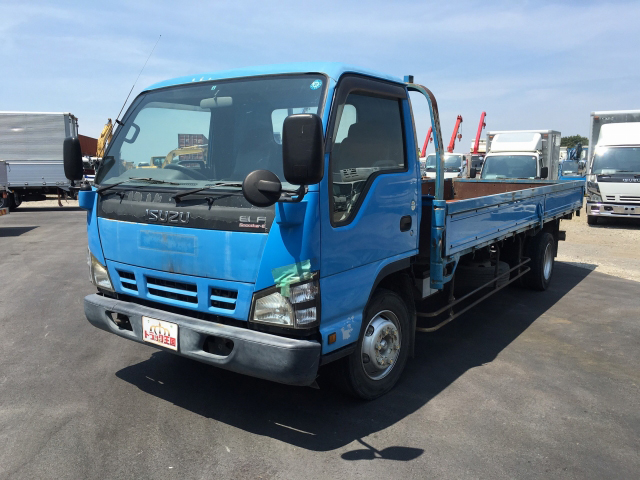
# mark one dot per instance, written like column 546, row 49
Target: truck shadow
column 15, row 231
column 325, row 419
column 618, row 223
column 65, row 208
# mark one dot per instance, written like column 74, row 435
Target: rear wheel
column 592, row 220
column 5, row 202
column 383, row 347
column 542, row 250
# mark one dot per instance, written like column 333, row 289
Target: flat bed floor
column 529, row 385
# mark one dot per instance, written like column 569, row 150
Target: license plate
column 160, row 332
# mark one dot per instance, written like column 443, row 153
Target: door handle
column 405, row 223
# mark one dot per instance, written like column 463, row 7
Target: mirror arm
column 288, row 196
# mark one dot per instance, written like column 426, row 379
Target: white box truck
column 526, row 154
column 613, row 173
column 31, row 154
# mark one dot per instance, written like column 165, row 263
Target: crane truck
column 250, row 264
column 478, row 147
column 453, row 162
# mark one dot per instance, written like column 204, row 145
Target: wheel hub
column 381, row 345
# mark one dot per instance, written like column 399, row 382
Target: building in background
column 190, row 140
column 88, row 145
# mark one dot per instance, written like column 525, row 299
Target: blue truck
column 291, row 233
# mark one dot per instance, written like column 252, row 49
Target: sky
column 528, row 64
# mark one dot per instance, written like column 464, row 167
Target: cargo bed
column 472, row 216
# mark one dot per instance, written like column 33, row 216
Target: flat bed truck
column 258, row 259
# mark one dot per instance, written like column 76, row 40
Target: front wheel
column 542, row 251
column 16, row 200
column 592, row 220
column 383, row 348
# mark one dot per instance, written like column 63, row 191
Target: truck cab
column 613, row 175
column 522, row 154
column 453, row 163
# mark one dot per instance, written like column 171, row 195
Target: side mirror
column 262, row 188
column 303, row 149
column 544, row 172
column 72, row 155
column 473, row 172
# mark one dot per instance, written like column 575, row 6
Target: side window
column 368, row 140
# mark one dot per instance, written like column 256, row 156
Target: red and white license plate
column 160, row 333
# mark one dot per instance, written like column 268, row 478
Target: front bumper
column 258, row 354
column 613, row 210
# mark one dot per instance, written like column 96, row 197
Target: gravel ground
column 610, row 247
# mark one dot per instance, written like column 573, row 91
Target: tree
column 573, row 140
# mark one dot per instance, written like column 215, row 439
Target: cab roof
column 332, row 70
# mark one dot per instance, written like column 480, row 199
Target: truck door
column 370, row 203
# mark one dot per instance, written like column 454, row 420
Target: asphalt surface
column 526, row 385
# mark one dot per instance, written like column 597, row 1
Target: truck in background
column 574, row 164
column 523, row 154
column 249, row 262
column 453, row 163
column 613, row 172
column 31, row 162
column 477, row 159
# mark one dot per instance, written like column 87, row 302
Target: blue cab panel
column 233, row 256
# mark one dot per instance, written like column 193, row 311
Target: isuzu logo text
column 167, row 216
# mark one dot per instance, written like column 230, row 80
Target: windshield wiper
column 107, row 187
column 178, row 196
column 137, row 179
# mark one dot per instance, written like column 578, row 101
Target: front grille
column 223, row 299
column 611, row 198
column 180, row 291
column 128, row 280
column 629, row 198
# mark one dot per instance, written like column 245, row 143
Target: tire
column 16, row 201
column 6, row 202
column 386, row 322
column 592, row 220
column 542, row 250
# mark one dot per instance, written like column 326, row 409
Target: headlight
column 298, row 310
column 593, row 192
column 98, row 273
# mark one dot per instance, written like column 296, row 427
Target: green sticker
column 285, row 276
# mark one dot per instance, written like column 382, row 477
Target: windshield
column 205, row 133
column 452, row 162
column 509, row 166
column 612, row 160
column 571, row 167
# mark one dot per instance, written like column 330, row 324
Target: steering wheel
column 187, row 171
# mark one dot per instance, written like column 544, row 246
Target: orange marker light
column 332, row 338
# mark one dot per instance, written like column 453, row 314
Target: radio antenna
column 138, row 78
